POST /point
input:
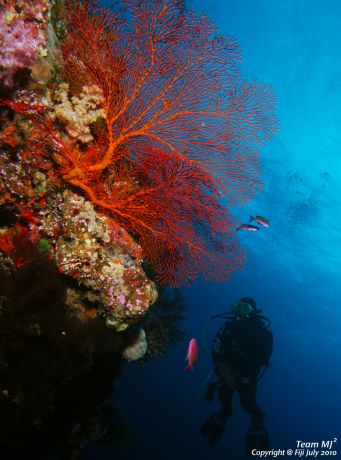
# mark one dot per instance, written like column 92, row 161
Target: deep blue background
column 293, row 269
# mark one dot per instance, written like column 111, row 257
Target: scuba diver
column 240, row 349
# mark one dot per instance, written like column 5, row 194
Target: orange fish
column 192, row 354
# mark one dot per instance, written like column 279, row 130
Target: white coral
column 78, row 112
column 137, row 349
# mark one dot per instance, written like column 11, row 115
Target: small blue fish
column 260, row 220
column 248, row 228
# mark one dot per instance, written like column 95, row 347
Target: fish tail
column 251, row 219
column 237, row 229
column 189, row 367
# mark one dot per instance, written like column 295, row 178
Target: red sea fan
column 170, row 81
column 172, row 206
column 89, row 51
column 181, row 130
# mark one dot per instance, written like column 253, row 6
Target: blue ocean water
column 293, row 269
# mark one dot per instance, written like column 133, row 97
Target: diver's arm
column 225, row 374
column 220, row 354
column 266, row 347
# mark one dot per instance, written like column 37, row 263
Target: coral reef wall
column 123, row 134
column 150, row 120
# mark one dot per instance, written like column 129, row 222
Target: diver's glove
column 214, row 427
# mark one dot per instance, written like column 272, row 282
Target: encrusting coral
column 100, row 256
column 23, row 29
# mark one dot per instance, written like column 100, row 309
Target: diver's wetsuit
column 239, row 350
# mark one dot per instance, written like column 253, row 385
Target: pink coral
column 22, row 33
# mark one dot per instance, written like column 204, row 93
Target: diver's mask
column 242, row 310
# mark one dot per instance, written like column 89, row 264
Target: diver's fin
column 256, row 439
